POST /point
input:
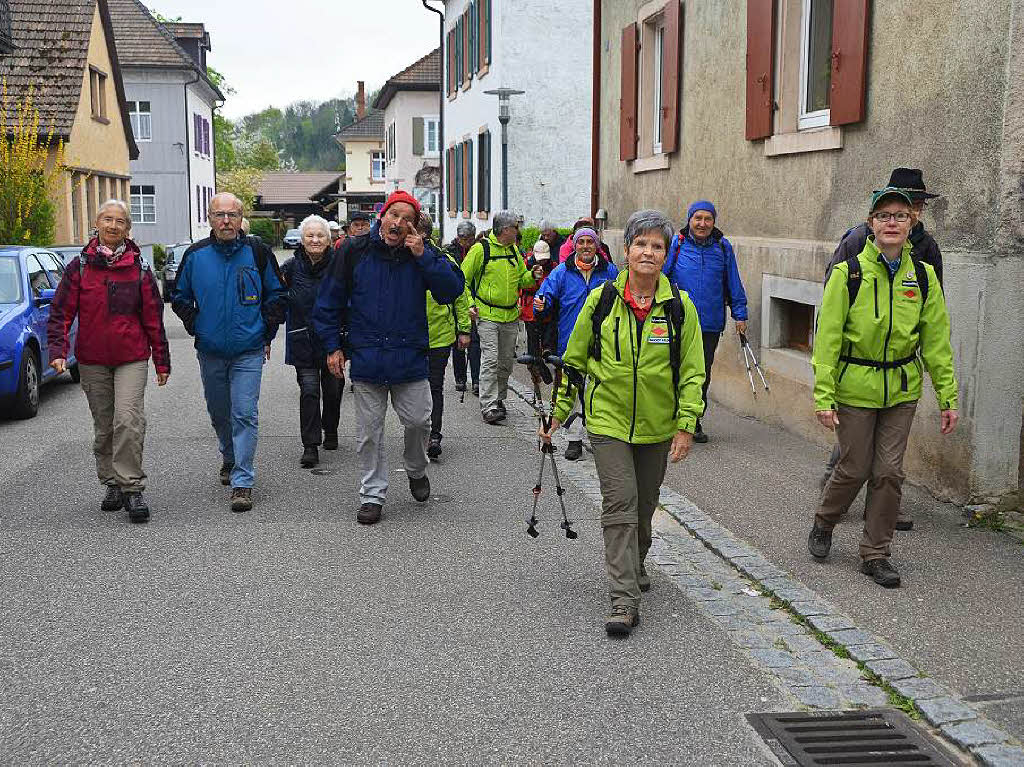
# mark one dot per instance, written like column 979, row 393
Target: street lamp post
column 504, row 115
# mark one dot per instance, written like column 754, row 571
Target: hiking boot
column 644, row 579
column 136, row 507
column 501, row 406
column 904, row 522
column 882, row 572
column 310, row 457
column 699, row 435
column 819, row 542
column 460, row 386
column 434, row 448
column 330, row 442
column 476, row 389
column 420, row 488
column 225, row 473
column 492, row 416
column 621, row 621
column 113, row 499
column 575, row 450
column 369, row 514
column 241, row 498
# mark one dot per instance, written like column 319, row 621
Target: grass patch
column 896, row 699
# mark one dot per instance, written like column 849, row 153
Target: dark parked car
column 172, row 262
column 292, row 239
column 28, row 281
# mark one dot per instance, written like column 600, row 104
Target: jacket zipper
column 885, row 350
column 593, row 389
column 618, row 355
column 636, row 362
column 874, row 286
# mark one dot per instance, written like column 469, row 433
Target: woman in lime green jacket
column 639, row 345
column 868, row 372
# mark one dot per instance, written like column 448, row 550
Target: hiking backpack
column 675, row 313
column 855, row 278
column 483, row 267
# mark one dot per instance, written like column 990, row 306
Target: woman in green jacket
column 640, row 347
column 868, row 355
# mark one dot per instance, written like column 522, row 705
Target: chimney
column 360, row 101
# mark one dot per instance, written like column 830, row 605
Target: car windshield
column 10, row 280
column 292, row 233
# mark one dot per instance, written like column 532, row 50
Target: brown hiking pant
column 871, row 446
column 116, row 397
column 631, row 477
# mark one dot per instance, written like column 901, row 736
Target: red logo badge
column 910, row 294
column 659, row 330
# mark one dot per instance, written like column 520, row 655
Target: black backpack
column 676, row 315
column 483, row 268
column 855, row 278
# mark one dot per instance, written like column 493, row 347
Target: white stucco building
column 491, row 44
column 412, row 131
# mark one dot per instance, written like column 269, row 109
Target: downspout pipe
column 440, row 122
column 595, row 111
column 188, row 153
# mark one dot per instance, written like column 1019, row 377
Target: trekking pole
column 559, row 491
column 748, row 357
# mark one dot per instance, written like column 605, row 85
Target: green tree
column 30, row 173
column 241, row 182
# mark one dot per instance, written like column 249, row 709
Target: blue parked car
column 29, row 277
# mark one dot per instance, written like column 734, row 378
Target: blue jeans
column 231, row 386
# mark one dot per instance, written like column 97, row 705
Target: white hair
column 112, row 203
column 314, row 220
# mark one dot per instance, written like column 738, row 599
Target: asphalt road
column 291, row 634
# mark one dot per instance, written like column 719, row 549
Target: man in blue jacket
column 563, row 294
column 372, row 308
column 701, row 262
column 229, row 296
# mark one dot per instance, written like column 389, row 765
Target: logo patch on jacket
column 910, row 283
column 659, row 331
column 910, row 294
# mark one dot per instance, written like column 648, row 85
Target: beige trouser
column 116, row 398
column 497, row 356
column 631, row 477
column 871, row 446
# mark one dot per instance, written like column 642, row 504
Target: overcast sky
column 274, row 53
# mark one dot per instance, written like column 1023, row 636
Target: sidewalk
column 957, row 617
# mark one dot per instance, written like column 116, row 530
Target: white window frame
column 378, row 160
column 138, row 205
column 432, row 150
column 135, row 115
column 656, row 91
column 821, row 117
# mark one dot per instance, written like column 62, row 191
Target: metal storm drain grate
column 875, row 737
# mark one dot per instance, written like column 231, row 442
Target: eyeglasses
column 107, row 221
column 231, row 215
column 884, row 217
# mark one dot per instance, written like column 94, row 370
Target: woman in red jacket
column 114, row 295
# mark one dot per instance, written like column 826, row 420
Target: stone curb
column 957, row 721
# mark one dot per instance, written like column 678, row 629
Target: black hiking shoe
column 819, row 541
column 882, row 572
column 330, row 442
column 493, row 416
column 644, row 580
column 113, row 499
column 420, row 488
column 241, row 499
column 225, row 473
column 136, row 507
column 476, row 389
column 621, row 621
column 904, row 523
column 575, row 450
column 369, row 514
column 699, row 435
column 434, row 448
column 310, row 457
column 460, row 386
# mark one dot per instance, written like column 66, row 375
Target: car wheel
column 76, row 373
column 26, row 401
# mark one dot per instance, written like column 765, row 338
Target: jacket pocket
column 248, row 286
column 593, row 391
column 618, row 353
column 124, row 297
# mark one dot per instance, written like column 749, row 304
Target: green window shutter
column 417, row 136
column 489, row 25
column 458, row 177
column 469, row 175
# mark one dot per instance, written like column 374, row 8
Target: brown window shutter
column 671, row 58
column 628, row 94
column 760, row 67
column 849, row 62
column 481, row 34
column 450, row 179
column 451, row 63
column 465, row 46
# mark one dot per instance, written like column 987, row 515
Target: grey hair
column 112, row 203
column 314, row 220
column 648, row 221
column 503, row 219
column 544, row 225
column 465, row 229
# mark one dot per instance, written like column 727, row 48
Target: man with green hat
column 882, row 315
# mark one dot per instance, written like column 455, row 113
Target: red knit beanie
column 401, row 196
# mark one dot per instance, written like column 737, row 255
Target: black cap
column 360, row 215
column 911, row 181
